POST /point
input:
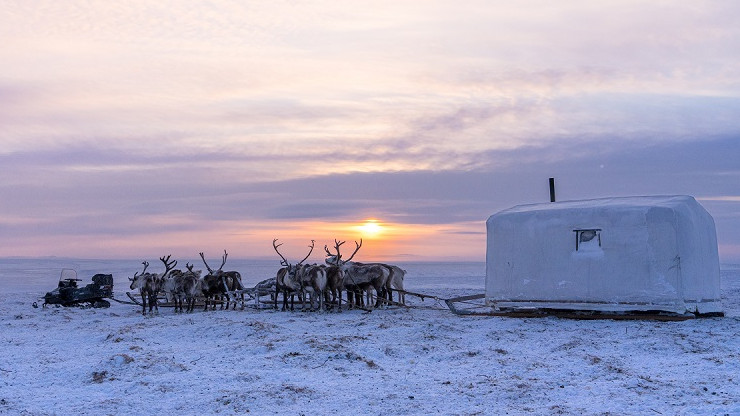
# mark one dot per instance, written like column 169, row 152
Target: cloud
column 179, row 118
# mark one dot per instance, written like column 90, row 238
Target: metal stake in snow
column 552, row 189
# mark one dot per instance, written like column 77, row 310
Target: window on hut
column 588, row 239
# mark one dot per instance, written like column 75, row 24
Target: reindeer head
column 292, row 270
column 139, row 280
column 195, row 273
column 211, row 271
column 284, row 261
column 336, row 259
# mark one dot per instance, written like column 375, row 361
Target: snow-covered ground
column 395, row 361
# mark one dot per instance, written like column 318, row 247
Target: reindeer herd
column 321, row 284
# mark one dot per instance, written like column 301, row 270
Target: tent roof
column 665, row 201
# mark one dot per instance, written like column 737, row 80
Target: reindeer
column 218, row 283
column 313, row 282
column 211, row 286
column 183, row 286
column 279, row 285
column 149, row 284
column 358, row 277
column 232, row 280
column 142, row 282
column 395, row 281
column 191, row 287
column 288, row 279
column 334, row 285
column 168, row 286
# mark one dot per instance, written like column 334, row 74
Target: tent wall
column 652, row 253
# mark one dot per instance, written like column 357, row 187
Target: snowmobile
column 68, row 293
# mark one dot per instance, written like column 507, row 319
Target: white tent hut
column 630, row 254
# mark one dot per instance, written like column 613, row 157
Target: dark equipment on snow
column 68, row 294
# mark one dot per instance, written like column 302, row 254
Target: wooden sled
column 474, row 305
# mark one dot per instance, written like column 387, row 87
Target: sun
column 370, row 228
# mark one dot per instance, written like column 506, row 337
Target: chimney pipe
column 552, row 189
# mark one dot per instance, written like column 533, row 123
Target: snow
column 423, row 360
column 627, row 253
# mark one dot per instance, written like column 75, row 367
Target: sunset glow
column 371, row 229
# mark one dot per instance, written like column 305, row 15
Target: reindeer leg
column 331, row 298
column 381, row 296
column 151, row 304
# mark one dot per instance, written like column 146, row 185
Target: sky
column 135, row 129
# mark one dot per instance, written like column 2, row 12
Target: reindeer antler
column 168, row 265
column 146, row 264
column 284, row 262
column 338, row 256
column 204, row 262
column 223, row 260
column 356, row 250
column 309, row 252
